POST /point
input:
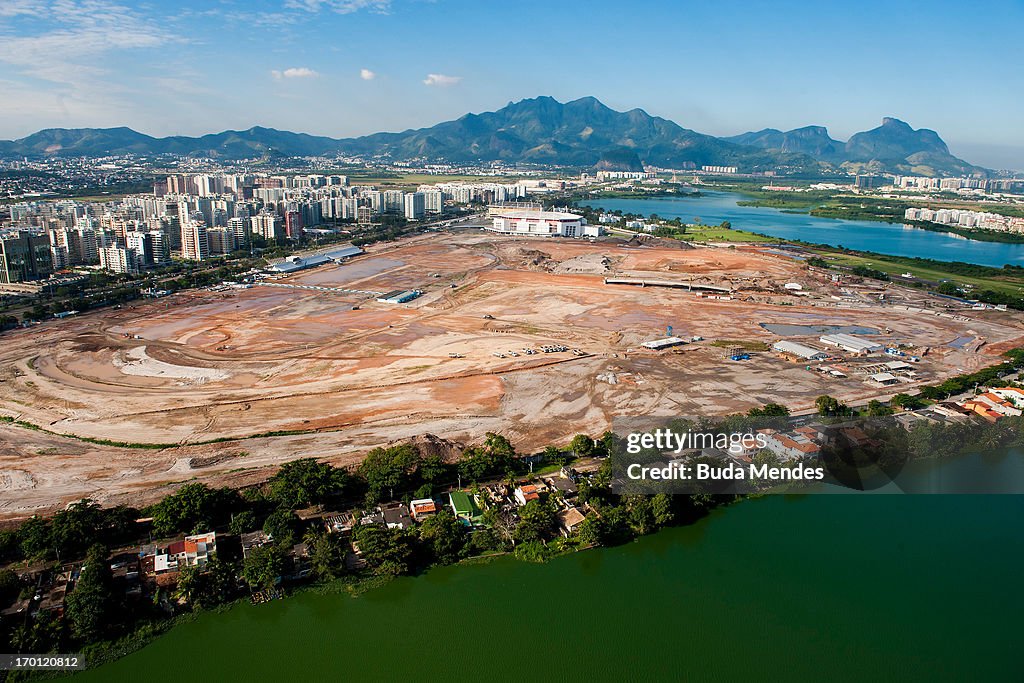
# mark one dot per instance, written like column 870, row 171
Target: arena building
column 542, row 224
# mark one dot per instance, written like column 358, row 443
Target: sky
column 351, row 67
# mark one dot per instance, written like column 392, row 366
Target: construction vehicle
column 737, row 353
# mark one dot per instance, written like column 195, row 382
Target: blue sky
column 350, row 67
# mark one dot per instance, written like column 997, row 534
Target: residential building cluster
column 928, row 183
column 197, row 216
column 22, row 179
column 962, row 185
column 997, row 403
column 154, row 569
column 1001, row 188
column 966, row 219
column 603, row 176
column 720, row 169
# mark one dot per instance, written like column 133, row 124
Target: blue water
column 785, row 330
column 883, row 238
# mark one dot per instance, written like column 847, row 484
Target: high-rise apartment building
column 25, row 257
column 142, row 244
column 194, row 243
column 119, row 260
column 394, row 201
column 267, row 226
column 433, row 202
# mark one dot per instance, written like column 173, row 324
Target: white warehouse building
column 850, row 343
column 799, row 350
column 543, row 224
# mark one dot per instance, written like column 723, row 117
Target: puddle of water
column 784, row 330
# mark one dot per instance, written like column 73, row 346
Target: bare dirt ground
column 340, row 373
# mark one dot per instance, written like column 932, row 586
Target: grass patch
column 740, row 344
column 547, row 469
column 714, row 233
column 5, row 419
column 419, row 368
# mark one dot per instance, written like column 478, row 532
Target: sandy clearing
column 233, row 364
column 137, row 362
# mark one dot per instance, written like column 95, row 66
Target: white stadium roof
column 540, row 215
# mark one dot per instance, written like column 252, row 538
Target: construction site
column 452, row 335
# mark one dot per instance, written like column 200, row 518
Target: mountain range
column 893, row 146
column 582, row 133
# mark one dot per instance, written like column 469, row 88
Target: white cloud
column 30, row 8
column 57, row 57
column 86, row 31
column 367, row 75
column 28, row 108
column 294, row 72
column 341, row 6
column 441, row 80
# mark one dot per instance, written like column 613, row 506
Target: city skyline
column 322, row 66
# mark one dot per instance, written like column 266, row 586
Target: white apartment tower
column 433, row 202
column 119, row 260
column 415, row 206
column 194, row 244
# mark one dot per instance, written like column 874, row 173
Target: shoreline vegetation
column 104, row 623
column 830, row 204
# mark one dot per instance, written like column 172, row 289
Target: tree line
column 97, row 613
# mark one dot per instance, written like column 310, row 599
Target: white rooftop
column 661, row 343
column 798, row 349
column 541, row 215
column 849, row 341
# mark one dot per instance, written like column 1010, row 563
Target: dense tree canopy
column 387, row 551
column 494, row 458
column 304, row 482
column 194, row 507
column 581, row 445
column 443, row 537
column 91, row 603
column 326, row 554
column 208, row 586
column 536, row 522
column 769, row 410
column 386, row 470
column 263, row 567
column 829, row 406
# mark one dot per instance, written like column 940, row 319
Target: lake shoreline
column 861, row 235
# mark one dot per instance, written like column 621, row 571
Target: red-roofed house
column 525, row 493
column 422, row 508
column 995, row 403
